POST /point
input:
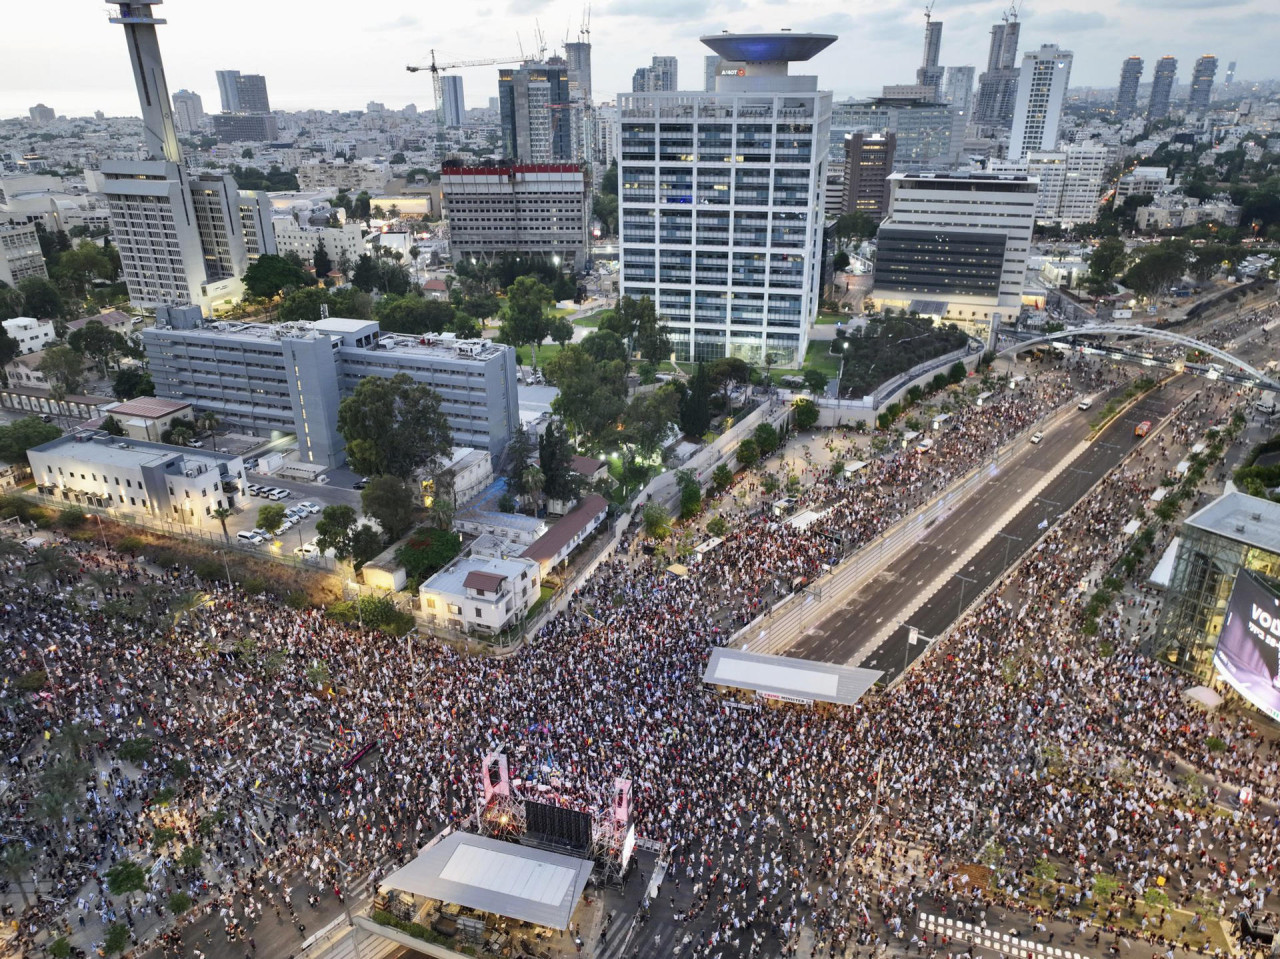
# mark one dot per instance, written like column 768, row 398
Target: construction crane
column 435, row 68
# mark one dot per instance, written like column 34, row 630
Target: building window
column 479, row 613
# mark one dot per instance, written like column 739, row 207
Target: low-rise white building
column 1142, row 181
column 339, row 241
column 93, row 468
column 481, row 594
column 31, row 334
column 569, row 532
column 470, row 471
column 1173, row 211
column 355, row 177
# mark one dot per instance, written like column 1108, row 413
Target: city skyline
column 73, row 68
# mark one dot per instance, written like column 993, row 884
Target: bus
column 1142, row 429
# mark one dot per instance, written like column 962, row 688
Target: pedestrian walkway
column 1006, row 944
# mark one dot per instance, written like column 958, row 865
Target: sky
column 334, row 54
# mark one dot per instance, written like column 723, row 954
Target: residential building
column 710, row 70
column 661, row 76
column 129, row 476
column 467, row 473
column 958, row 91
column 188, row 111
column 1071, row 180
column 1142, row 181
column 148, row 417
column 20, row 255
column 1042, row 86
column 32, row 334
column 955, row 247
column 720, row 201
column 481, row 594
column 578, row 57
column 1162, row 88
column 290, row 377
column 251, row 94
column 453, row 107
column 534, row 107
column 868, row 161
column 929, row 74
column 1127, row 95
column 42, row 114
column 1230, row 78
column 245, row 127
column 570, row 531
column 343, row 241
column 1173, row 211
column 605, row 132
column 998, row 84
column 1202, row 83
column 337, row 175
column 538, row 210
column 227, row 90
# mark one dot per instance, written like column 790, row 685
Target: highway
column 863, row 631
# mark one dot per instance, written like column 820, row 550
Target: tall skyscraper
column 578, row 56
column 42, row 114
column 1042, row 86
column 1230, row 78
column 251, row 94
column 534, row 105
column 182, row 239
column 1202, row 83
column 710, row 69
column 959, row 88
column 227, row 90
column 868, row 161
column 453, row 107
column 1162, row 88
column 1127, row 97
column 998, row 85
column 929, row 74
column 661, row 76
column 188, row 110
column 721, row 213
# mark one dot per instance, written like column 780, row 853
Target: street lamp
column 844, row 354
column 225, row 565
column 963, row 580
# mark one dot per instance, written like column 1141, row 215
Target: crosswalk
column 1006, row 944
column 649, row 940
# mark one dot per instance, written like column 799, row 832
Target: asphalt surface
column 886, row 598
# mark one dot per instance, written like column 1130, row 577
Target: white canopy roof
column 786, row 678
column 499, row 877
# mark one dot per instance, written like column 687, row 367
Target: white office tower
column 452, row 105
column 1071, row 180
column 721, row 198
column 954, row 247
column 188, row 111
column 1042, row 86
column 959, row 89
column 182, row 238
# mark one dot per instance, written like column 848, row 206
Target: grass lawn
column 547, row 593
column 830, row 319
column 815, row 358
column 558, row 311
column 545, row 352
column 591, row 319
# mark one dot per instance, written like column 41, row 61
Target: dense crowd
column 232, row 725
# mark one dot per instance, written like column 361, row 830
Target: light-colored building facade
column 1071, row 180
column 539, row 210
column 339, row 241
column 720, row 202
column 534, row 112
column 453, row 106
column 32, row 334
column 1142, row 181
column 955, row 247
column 1127, row 92
column 481, row 594
column 93, row 468
column 290, row 377
column 147, row 417
column 1042, row 88
column 20, row 255
column 188, row 111
column 326, row 175
column 1173, row 211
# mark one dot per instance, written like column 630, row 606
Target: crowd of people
column 302, row 756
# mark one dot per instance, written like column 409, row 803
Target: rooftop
column 458, row 577
column 780, row 677
column 546, row 546
column 499, row 877
column 101, row 448
column 1238, row 516
column 768, row 47
column 148, row 407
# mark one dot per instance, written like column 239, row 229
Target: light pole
column 102, row 532
column 226, row 567
column 355, row 940
column 1008, row 541
column 960, row 605
column 913, row 637
column 844, row 353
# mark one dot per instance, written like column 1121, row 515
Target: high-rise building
column 1127, row 95
column 923, row 130
column 661, row 76
column 998, row 85
column 534, row 105
column 453, row 107
column 710, row 69
column 578, row 56
column 640, row 81
column 227, row 91
column 182, row 239
column 868, row 161
column 1230, row 78
column 1162, row 88
column 1071, row 180
column 1202, row 83
column 959, row 88
column 241, row 127
column 20, row 255
column 42, row 114
column 955, row 247
column 188, row 111
column 1042, row 86
column 929, row 74
column 721, row 201
column 251, row 94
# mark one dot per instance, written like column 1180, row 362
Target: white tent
column 1202, row 696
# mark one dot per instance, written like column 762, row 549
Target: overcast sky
column 339, row 55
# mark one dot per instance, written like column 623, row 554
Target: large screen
column 1248, row 653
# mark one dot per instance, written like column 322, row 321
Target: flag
column 1043, row 523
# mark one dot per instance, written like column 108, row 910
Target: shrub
column 717, row 526
column 427, row 551
column 72, row 518
column 179, row 903
column 130, row 544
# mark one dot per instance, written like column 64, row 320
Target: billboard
column 1248, row 653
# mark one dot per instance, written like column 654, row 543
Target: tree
column 604, row 346
column 806, row 413
column 533, row 482
column 856, row 225
column 116, row 940
column 40, row 298
column 320, row 260
column 271, row 518
column 12, row 302
column 721, row 477
column 271, row 274
column 560, row 330
column 63, row 367
column 690, row 494
column 957, row 372
column 303, row 305
column 648, row 418
column 766, row 438
column 333, row 530
column 748, row 453
column 222, row 514
column 840, row 262
column 525, row 317
column 124, row 877
column 1107, row 260
column 389, row 500
column 112, row 426
column 98, row 343
column 815, row 381
column 695, row 408
column 10, row 349
column 592, row 395
column 413, row 314
column 16, row 862
column 366, row 275
column 366, row 543
column 519, row 452
column 181, row 435
column 656, row 520
column 190, row 858
column 555, row 458
column 180, row 902
column 393, row 426
column 132, row 382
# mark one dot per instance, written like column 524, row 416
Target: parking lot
column 320, row 494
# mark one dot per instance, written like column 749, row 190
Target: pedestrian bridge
column 1246, row 374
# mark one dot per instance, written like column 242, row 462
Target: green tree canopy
column 40, row 298
column 272, row 274
column 695, row 408
column 525, row 320
column 592, row 394
column 334, row 528
column 131, row 382
column 389, row 500
column 648, row 418
column 555, row 459
column 393, row 426
column 321, row 261
column 271, row 517
column 98, row 343
column 64, row 368
column 21, row 435
column 413, row 314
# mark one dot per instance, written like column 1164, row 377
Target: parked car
column 361, row 483
column 309, row 506
column 253, row 489
column 249, row 536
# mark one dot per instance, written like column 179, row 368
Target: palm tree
column 208, row 421
column 221, row 514
column 180, row 436
column 15, row 864
column 444, row 509
column 393, row 211
column 51, row 563
column 534, row 481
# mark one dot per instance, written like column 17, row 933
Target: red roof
column 514, row 168
column 149, row 407
column 548, row 545
column 434, row 284
column 489, row 582
column 587, row 466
